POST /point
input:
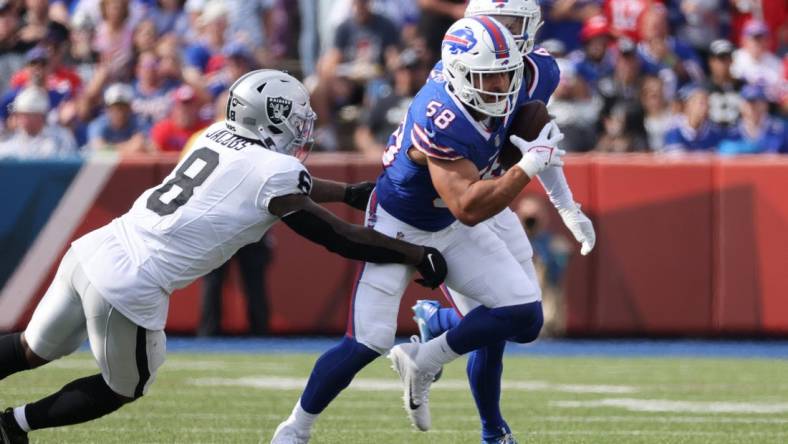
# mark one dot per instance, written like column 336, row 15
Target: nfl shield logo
column 278, row 109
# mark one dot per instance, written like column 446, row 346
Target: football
column 527, row 122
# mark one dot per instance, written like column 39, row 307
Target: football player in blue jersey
column 541, row 74
column 437, row 187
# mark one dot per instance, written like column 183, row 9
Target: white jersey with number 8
column 214, row 202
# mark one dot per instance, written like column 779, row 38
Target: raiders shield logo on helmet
column 278, row 109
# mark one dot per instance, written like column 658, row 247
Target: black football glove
column 432, row 268
column 357, row 194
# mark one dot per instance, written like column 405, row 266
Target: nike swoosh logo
column 411, row 404
column 429, row 258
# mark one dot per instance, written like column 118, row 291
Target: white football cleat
column 287, row 433
column 417, row 383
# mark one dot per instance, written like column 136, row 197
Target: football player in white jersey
column 113, row 285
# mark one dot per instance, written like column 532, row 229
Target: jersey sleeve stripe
column 427, row 142
column 430, row 151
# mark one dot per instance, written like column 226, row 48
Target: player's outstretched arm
column 319, row 225
column 356, row 195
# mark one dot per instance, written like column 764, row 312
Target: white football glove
column 580, row 226
column 542, row 152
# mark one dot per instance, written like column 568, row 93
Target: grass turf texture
column 231, row 398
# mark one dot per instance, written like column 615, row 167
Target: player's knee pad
column 531, row 319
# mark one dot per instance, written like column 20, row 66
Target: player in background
column 436, row 188
column 113, row 285
column 541, row 74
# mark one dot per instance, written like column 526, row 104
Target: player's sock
column 485, row 367
column 442, row 320
column 302, row 419
column 12, row 355
column 483, row 326
column 78, row 401
column 435, row 353
column 333, row 372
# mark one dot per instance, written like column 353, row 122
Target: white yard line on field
column 370, row 384
column 181, row 364
column 674, row 406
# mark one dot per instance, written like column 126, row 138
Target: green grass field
column 238, row 398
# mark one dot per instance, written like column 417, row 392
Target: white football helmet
column 273, row 107
column 474, row 48
column 522, row 17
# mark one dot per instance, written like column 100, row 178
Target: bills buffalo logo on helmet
column 460, row 40
column 278, row 109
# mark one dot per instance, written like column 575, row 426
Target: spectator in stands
column 378, row 123
column 724, row 90
column 668, row 57
column 657, row 117
column 436, row 18
column 171, row 133
column 625, row 15
column 701, row 23
column 117, row 128
column 81, row 54
column 38, row 72
column 212, row 24
column 168, row 16
column 623, row 84
column 361, row 48
column 596, row 60
column 576, row 108
column 692, row 130
column 563, row 20
column 755, row 64
column 237, row 61
column 623, row 130
column 757, row 131
column 52, row 74
column 144, row 36
column 32, row 137
column 113, row 39
column 168, row 51
column 259, row 24
column 35, row 21
column 12, row 47
column 152, row 98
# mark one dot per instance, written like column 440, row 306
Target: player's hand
column 432, row 268
column 357, row 194
column 580, row 226
column 542, row 152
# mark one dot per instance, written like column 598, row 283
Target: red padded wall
column 654, row 255
column 752, row 245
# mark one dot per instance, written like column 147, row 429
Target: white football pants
column 484, row 264
column 72, row 310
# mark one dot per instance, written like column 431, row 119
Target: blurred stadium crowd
column 142, row 76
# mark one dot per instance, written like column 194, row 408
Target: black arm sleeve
column 368, row 246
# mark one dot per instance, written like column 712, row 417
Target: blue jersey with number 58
column 438, row 125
